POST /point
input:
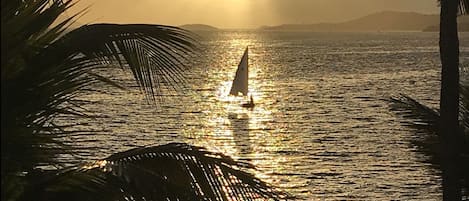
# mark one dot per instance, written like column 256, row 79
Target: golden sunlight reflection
column 104, row 165
column 243, row 133
column 319, row 118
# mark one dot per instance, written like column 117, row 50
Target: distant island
column 382, row 21
column 198, row 27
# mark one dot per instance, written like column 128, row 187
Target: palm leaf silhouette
column 426, row 121
column 154, row 54
column 464, row 103
column 174, row 171
column 45, row 69
column 415, row 114
column 463, row 6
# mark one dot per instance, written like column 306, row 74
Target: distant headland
column 198, row 27
column 382, row 21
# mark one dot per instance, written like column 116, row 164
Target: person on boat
column 249, row 104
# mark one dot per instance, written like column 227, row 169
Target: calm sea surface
column 320, row 129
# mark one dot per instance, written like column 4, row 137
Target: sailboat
column 240, row 82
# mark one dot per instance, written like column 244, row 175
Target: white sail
column 240, row 82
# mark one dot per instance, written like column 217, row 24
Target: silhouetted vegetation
column 44, row 69
column 169, row 172
column 451, row 138
column 426, row 122
column 451, row 154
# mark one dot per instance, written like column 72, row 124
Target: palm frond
column 156, row 55
column 44, row 70
column 174, row 171
column 464, row 103
column 415, row 114
column 23, row 24
column 463, row 6
column 426, row 120
column 422, row 117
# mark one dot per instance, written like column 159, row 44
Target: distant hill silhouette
column 198, row 27
column 382, row 21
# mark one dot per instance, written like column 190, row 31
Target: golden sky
column 240, row 13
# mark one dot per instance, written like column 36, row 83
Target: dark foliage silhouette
column 168, row 172
column 45, row 68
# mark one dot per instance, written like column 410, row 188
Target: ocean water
column 321, row 128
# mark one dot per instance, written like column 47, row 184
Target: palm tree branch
column 124, row 48
column 172, row 171
column 415, row 113
column 463, row 6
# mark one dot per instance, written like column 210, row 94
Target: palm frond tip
column 174, row 171
column 415, row 113
column 463, row 6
